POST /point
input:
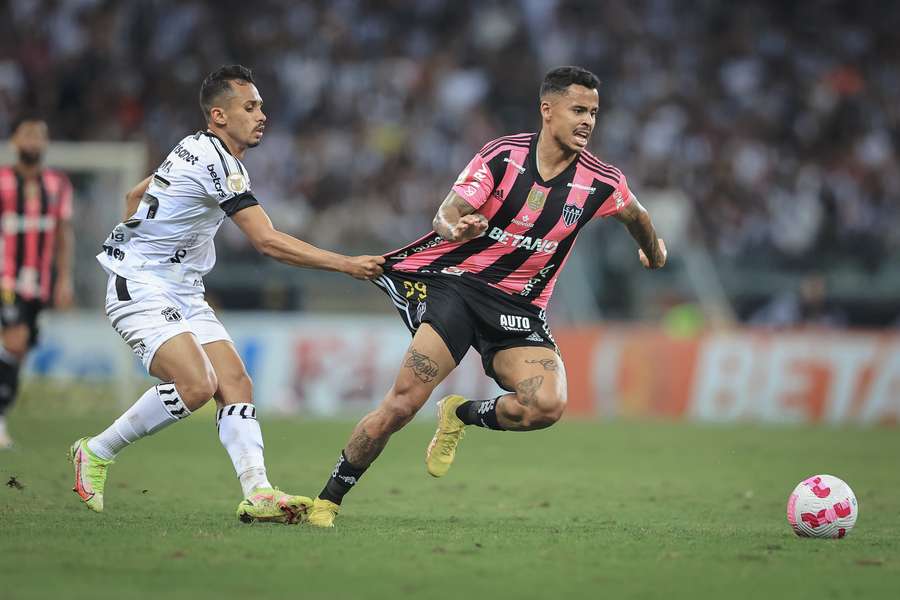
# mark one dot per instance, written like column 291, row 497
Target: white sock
column 239, row 432
column 159, row 407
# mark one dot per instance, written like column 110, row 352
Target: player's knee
column 545, row 409
column 553, row 410
column 399, row 407
column 234, row 388
column 396, row 415
column 196, row 391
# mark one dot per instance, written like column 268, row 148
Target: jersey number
column 415, row 288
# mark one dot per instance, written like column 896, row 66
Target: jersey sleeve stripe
column 596, row 165
column 491, row 146
column 594, row 161
column 510, row 139
column 606, row 173
column 507, row 147
column 515, row 136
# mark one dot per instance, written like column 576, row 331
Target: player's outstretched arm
column 133, row 198
column 257, row 226
column 652, row 251
column 457, row 221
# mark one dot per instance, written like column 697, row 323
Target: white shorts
column 147, row 315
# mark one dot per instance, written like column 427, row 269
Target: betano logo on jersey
column 523, row 241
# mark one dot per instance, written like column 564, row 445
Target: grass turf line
column 623, row 510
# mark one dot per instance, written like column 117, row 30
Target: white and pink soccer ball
column 822, row 506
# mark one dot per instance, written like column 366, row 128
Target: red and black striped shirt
column 532, row 223
column 30, row 212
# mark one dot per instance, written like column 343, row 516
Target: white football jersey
column 169, row 238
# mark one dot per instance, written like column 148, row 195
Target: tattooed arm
column 652, row 249
column 457, row 221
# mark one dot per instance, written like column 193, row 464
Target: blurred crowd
column 779, row 120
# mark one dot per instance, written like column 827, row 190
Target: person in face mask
column 35, row 252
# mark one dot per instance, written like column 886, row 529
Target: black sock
column 480, row 412
column 344, row 477
column 9, row 384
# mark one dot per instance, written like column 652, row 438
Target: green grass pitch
column 582, row 510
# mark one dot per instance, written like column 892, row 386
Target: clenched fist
column 659, row 259
column 469, row 227
column 365, row 267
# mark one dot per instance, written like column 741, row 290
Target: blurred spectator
column 807, row 305
column 780, row 120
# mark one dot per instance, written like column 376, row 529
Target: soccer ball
column 822, row 506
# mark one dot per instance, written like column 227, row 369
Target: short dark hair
column 216, row 84
column 26, row 117
column 560, row 78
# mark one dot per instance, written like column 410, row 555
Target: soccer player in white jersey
column 156, row 260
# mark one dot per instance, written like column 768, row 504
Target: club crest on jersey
column 571, row 213
column 236, row 183
column 536, row 199
column 171, row 314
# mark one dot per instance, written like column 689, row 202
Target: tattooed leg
column 548, row 364
column 363, row 448
column 526, row 390
column 425, row 365
column 425, row 369
column 538, row 378
column 398, row 408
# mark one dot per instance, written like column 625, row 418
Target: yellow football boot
column 322, row 513
column 442, row 449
